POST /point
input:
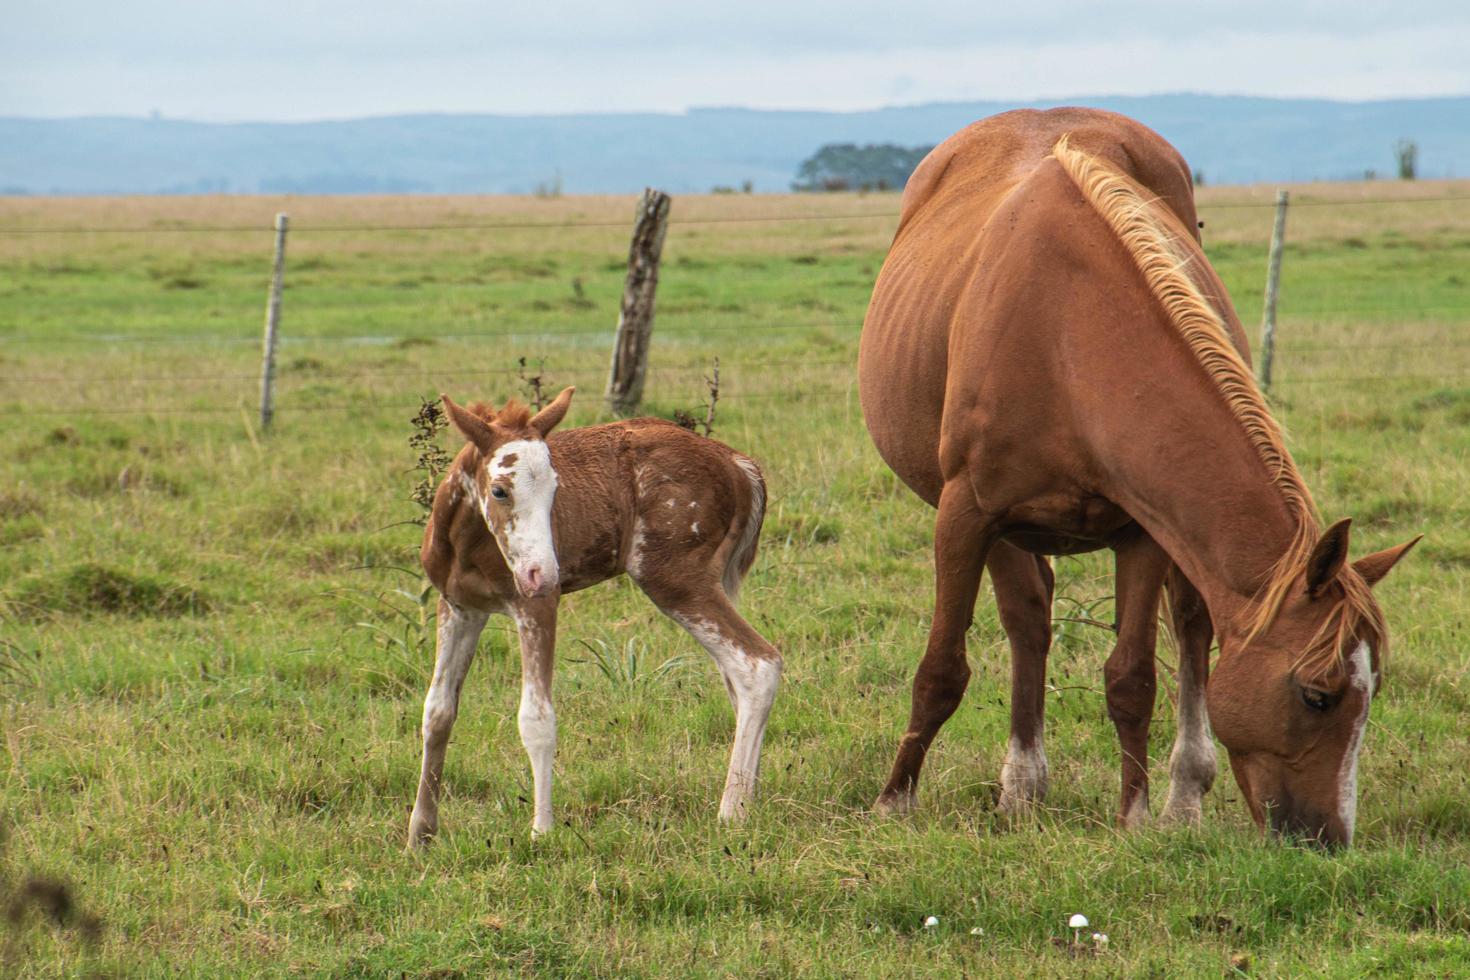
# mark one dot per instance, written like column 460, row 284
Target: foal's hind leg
column 459, row 632
column 1023, row 593
column 751, row 669
column 1141, row 565
column 1192, row 764
column 962, row 537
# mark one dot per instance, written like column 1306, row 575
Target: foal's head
column 1289, row 698
column 513, row 485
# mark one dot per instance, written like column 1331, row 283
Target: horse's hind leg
column 1023, row 593
column 750, row 667
column 1192, row 764
column 1141, row 565
column 459, row 632
column 962, row 537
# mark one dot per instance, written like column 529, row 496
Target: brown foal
column 1049, row 360
column 525, row 515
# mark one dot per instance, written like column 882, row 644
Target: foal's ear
column 1375, row 566
column 470, row 425
column 1328, row 556
column 550, row 416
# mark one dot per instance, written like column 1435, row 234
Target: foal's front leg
column 536, row 624
column 459, row 632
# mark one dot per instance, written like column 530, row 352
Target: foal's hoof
column 895, row 804
column 732, row 815
column 420, row 836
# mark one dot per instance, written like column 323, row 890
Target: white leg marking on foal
column 752, row 682
column 459, row 629
column 1361, row 677
column 538, row 734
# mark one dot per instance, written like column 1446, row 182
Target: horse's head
column 1289, row 699
column 513, row 484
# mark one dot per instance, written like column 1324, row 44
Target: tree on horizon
column 848, row 166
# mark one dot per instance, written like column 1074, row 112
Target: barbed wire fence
column 400, row 390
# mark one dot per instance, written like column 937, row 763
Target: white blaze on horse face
column 525, row 535
column 1361, row 678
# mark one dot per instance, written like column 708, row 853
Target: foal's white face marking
column 1360, row 666
column 522, row 471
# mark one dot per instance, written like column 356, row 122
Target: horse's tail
column 742, row 556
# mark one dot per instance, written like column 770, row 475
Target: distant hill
column 1230, row 139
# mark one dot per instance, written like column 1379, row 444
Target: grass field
column 210, row 686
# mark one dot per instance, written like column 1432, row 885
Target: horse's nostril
column 534, row 579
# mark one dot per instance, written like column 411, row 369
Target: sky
column 313, row 59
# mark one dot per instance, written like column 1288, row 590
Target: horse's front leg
column 1140, row 569
column 536, row 624
column 1192, row 764
column 459, row 632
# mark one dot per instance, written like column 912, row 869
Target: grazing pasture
column 214, row 642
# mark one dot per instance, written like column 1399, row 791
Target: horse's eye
column 498, row 493
column 1317, row 700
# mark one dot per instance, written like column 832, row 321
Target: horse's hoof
column 895, row 804
column 1181, row 814
column 1016, row 806
column 1136, row 816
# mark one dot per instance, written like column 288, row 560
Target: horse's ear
column 470, row 425
column 1328, row 556
column 550, row 416
column 1375, row 566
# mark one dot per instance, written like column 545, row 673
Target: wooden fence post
column 635, row 318
column 1273, row 282
column 272, row 323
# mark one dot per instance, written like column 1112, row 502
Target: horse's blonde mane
column 1164, row 253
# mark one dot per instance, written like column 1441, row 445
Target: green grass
column 204, row 742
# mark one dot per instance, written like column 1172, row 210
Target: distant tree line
column 849, row 167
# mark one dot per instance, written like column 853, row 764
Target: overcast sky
column 321, row 59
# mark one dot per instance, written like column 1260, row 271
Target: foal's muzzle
column 537, row 582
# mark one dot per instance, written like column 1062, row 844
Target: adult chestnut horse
column 1049, row 360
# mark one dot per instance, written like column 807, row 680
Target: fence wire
column 238, row 383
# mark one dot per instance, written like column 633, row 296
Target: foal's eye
column 1317, row 700
column 498, row 493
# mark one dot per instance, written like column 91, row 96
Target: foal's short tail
column 742, row 556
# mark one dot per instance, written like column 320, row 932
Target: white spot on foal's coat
column 1361, row 678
